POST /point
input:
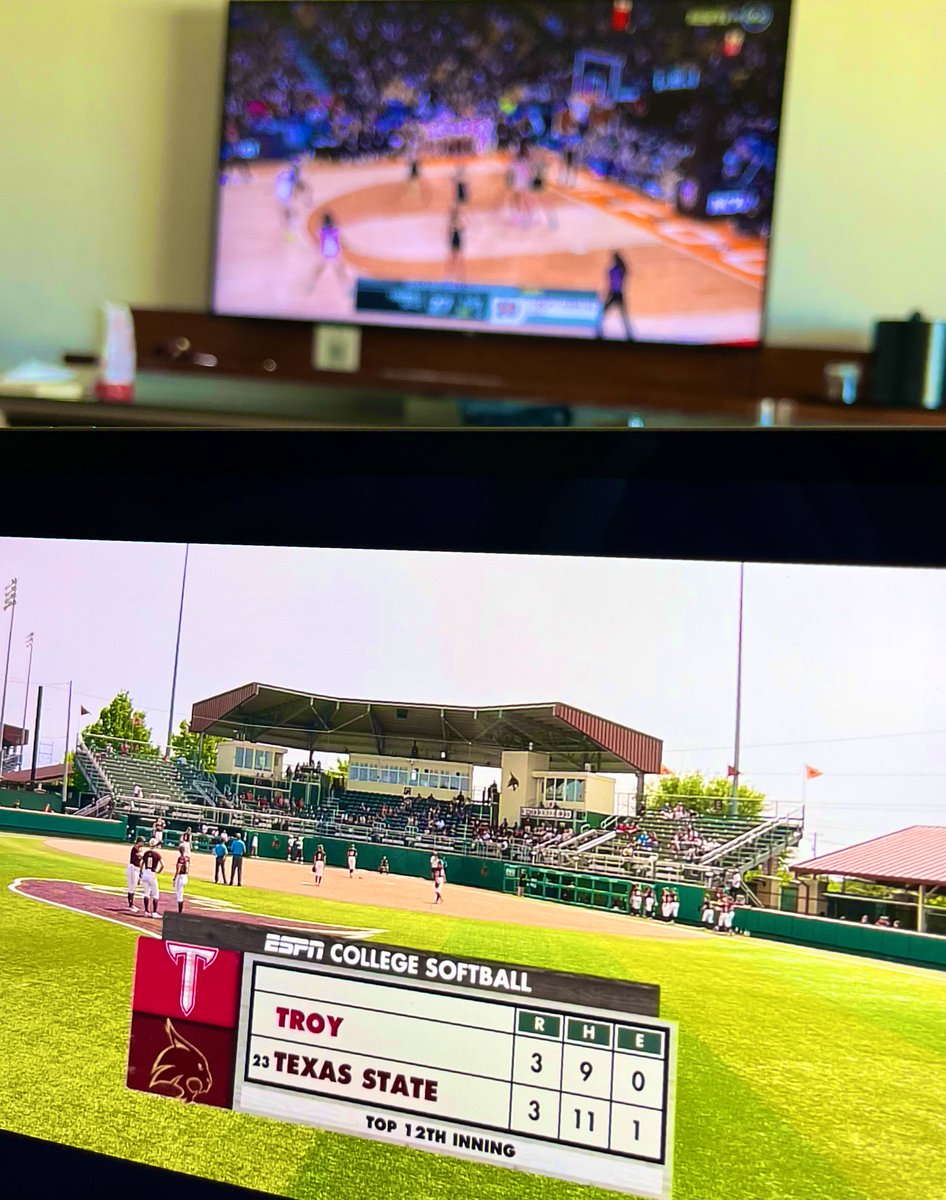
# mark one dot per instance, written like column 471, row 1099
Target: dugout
column 542, row 751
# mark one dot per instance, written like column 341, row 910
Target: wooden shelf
column 719, row 381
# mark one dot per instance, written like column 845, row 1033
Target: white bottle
column 117, row 379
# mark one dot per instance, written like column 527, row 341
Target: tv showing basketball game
column 560, row 168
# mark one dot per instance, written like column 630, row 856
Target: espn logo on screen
column 293, row 947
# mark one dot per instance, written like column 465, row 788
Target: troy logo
column 192, row 958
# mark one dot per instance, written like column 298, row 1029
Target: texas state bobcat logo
column 180, row 1070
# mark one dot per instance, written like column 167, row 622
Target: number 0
column 638, row 1081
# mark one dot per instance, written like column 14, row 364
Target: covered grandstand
column 910, row 863
column 574, row 740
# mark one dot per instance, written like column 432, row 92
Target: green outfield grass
column 800, row 1075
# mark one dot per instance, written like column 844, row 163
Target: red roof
column 43, row 774
column 914, row 855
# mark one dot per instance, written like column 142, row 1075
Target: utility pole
column 177, row 649
column 734, row 798
column 9, row 601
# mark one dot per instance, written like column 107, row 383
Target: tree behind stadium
column 705, row 797
column 187, row 745
column 120, row 724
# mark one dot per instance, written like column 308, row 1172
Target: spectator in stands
column 220, row 861
column 48, row 808
column 865, row 919
column 136, row 792
column 237, row 852
column 735, row 883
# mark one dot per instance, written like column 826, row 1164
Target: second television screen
column 595, row 169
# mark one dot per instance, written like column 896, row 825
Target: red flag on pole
column 811, row 773
column 731, row 772
column 84, row 712
column 665, row 770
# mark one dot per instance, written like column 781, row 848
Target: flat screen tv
column 603, row 168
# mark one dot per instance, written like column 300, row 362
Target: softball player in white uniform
column 352, row 861
column 151, row 868
column 181, row 877
column 133, row 873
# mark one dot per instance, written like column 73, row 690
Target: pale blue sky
column 842, row 666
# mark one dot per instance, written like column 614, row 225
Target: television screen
column 525, row 921
column 602, row 168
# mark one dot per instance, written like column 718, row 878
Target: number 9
column 585, row 1069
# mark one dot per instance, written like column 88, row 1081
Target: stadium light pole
column 734, row 797
column 65, row 754
column 26, row 694
column 9, row 601
column 177, row 648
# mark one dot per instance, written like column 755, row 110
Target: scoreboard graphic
column 561, row 1075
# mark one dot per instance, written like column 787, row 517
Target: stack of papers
column 43, row 381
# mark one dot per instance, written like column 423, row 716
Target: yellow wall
column 109, row 130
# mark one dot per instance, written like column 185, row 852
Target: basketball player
column 133, row 872
column 181, row 877
column 330, row 251
column 539, row 193
column 352, row 861
column 461, row 191
column 522, row 185
column 318, row 865
column 614, row 298
column 289, row 184
column 455, row 231
column 569, row 173
column 151, row 867
column 415, row 178
column 235, row 163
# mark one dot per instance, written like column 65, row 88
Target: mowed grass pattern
column 800, row 1074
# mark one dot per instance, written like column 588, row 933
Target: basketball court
column 689, row 280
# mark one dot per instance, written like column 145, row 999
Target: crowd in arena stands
column 359, row 76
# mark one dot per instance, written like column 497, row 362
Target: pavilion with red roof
column 913, row 859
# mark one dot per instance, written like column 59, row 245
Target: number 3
column 534, row 1110
column 537, row 1063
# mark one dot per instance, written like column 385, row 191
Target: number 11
column 591, row 1119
